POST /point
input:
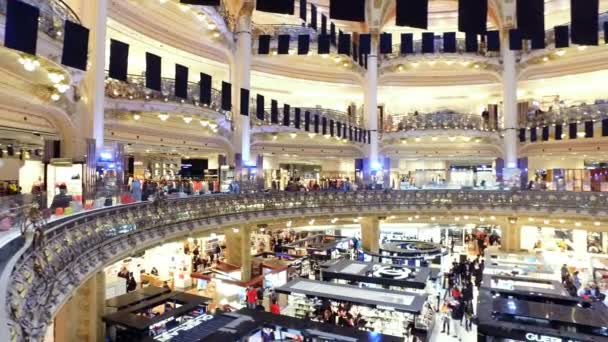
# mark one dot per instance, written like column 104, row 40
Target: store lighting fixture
column 417, row 217
column 417, row 139
column 288, row 224
column 309, row 53
column 512, row 221
column 311, row 222
column 434, row 138
column 211, row 26
column 596, row 223
column 275, row 137
column 392, row 217
column 62, row 87
column 467, row 139
column 582, row 48
column 29, row 64
column 136, row 117
column 337, row 59
column 410, row 218
column 56, row 77
column 163, row 117
column 293, row 135
column 545, row 59
column 213, row 235
column 580, row 134
column 578, row 224
column 184, row 8
column 465, row 63
column 451, row 138
column 456, row 218
column 476, row 66
column 431, row 63
column 531, row 219
column 334, row 220
column 449, row 62
column 400, row 68
column 235, row 230
column 204, row 123
column 433, row 218
column 200, row 17
column 187, row 119
column 55, row 97
column 466, row 217
column 311, row 135
column 560, row 52
column 482, row 219
column 492, row 217
column 346, row 65
column 356, row 220
column 546, row 221
column 415, row 64
column 213, row 125
column 217, row 35
column 562, row 221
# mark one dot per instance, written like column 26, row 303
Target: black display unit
column 529, row 309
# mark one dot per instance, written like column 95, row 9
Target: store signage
column 532, row 337
column 391, row 272
column 188, row 325
column 386, row 308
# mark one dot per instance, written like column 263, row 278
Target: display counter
column 397, row 277
column 396, row 313
column 410, row 252
column 135, row 297
column 154, row 316
column 527, row 309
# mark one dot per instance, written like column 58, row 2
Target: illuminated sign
column 188, row 325
column 532, row 337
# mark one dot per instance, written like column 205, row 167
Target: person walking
column 252, row 297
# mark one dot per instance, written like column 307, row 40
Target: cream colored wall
column 571, row 88
column 9, row 168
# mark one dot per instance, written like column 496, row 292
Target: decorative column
column 238, row 244
column 371, row 104
column 511, row 172
column 370, row 234
column 79, row 319
column 241, row 72
column 511, row 236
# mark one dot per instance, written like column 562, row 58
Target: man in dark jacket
column 62, row 199
column 457, row 315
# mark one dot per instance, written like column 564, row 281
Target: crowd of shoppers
column 573, row 284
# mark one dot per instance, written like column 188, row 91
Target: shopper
column 62, row 199
column 565, row 273
column 136, row 189
column 259, row 306
column 131, row 283
column 445, row 318
column 166, row 285
column 457, row 315
column 468, row 315
column 576, row 281
column 154, row 271
column 260, row 293
column 124, row 273
column 274, row 308
column 252, row 297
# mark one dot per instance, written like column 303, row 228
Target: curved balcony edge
column 60, row 255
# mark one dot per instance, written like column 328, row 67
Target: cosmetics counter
column 396, row 313
column 528, row 309
column 153, row 316
column 255, row 326
column 320, row 248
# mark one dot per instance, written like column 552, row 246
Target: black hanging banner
column 471, row 43
column 226, row 96
column 181, row 81
column 522, row 135
column 386, row 43
column 324, row 125
column 559, row 131
column 323, row 44
column 331, row 128
column 545, row 133
column 533, row 136
column 344, row 131
column 588, row 129
column 153, row 71
column 351, row 10
column 605, row 127
column 21, row 26
column 275, row 6
column 531, row 18
column 572, row 130
column 350, row 133
column 259, row 107
column 332, row 34
column 339, row 129
column 449, row 42
column 323, row 24
column 298, row 118
column 307, row 121
column 515, row 40
column 407, row 43
column 303, row 44
column 303, row 11
column 313, row 16
column 428, row 42
column 316, row 123
column 205, row 89
column 119, row 60
column 584, row 26
column 472, row 16
column 369, row 137
column 344, row 44
column 245, row 102
column 562, row 36
column 274, row 112
column 493, row 41
column 355, row 52
column 264, row 44
column 412, row 13
column 75, row 46
column 286, row 116
column 283, row 46
column 365, row 43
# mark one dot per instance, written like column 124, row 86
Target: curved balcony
column 438, row 48
column 330, row 114
column 65, row 252
column 443, row 120
column 278, row 29
column 585, row 112
column 53, row 13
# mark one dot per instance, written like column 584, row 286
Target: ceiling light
column 467, row 139
column 56, row 77
column 293, row 135
column 404, row 141
column 466, row 217
column 451, row 138
column 337, row 59
column 235, row 230
column 204, row 123
column 433, row 218
column 546, row 221
column 477, row 140
column 417, row 139
column 187, row 119
column 275, row 137
column 410, row 218
column 288, row 224
column 62, row 87
column 212, row 125
column 431, row 63
column 163, row 117
column 29, row 64
column 476, row 66
column 346, row 65
column 324, row 56
column 434, row 138
column 531, row 219
column 311, row 222
column 578, row 224
column 184, row 8
column 311, row 135
column 560, row 52
column 545, row 59
column 400, row 68
column 582, row 48
column 217, row 34
column 55, row 97
column 596, row 223
column 211, row 26
column 417, row 217
column 334, row 220
column 562, row 221
column 136, row 117
column 309, row 53
column 465, row 63
column 415, row 64
column 449, row 62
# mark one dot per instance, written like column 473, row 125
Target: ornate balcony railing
column 438, row 48
column 64, row 253
column 330, row 114
column 586, row 112
column 135, row 89
column 53, row 14
column 278, row 29
column 441, row 120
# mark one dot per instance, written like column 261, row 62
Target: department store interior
column 303, row 170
